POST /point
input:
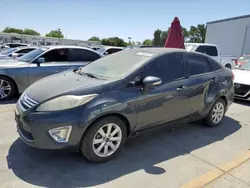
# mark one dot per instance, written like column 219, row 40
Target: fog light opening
column 61, row 134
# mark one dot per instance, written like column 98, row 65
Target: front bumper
column 33, row 128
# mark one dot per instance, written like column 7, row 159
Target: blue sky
column 81, row 19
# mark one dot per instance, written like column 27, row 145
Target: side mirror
column 14, row 55
column 106, row 53
column 40, row 60
column 151, row 81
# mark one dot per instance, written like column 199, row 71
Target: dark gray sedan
column 95, row 109
column 18, row 74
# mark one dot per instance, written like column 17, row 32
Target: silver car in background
column 16, row 52
column 18, row 74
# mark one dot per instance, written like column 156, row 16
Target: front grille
column 241, row 89
column 27, row 102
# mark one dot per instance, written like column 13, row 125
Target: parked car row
column 15, row 52
column 96, row 108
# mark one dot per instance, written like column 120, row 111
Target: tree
column 197, row 34
column 164, row 36
column 94, row 38
column 12, row 30
column 113, row 41
column 157, row 38
column 30, row 32
column 55, row 33
column 147, row 42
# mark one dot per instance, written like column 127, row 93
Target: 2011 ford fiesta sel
column 96, row 108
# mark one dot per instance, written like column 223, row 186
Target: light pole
column 129, row 38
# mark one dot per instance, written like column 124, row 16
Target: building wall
column 41, row 41
column 230, row 35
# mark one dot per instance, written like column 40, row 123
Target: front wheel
column 104, row 139
column 7, row 88
column 216, row 113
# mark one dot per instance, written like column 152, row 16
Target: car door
column 56, row 60
column 168, row 101
column 81, row 57
column 203, row 83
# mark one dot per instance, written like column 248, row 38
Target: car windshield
column 32, row 55
column 245, row 66
column 189, row 47
column 101, row 50
column 7, row 51
column 117, row 65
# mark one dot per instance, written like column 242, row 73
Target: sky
column 82, row 19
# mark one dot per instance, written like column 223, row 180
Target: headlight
column 61, row 134
column 65, row 102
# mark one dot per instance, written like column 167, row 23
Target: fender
column 107, row 105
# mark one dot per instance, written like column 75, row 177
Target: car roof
column 200, row 44
column 25, row 47
column 157, row 50
column 72, row 47
column 108, row 47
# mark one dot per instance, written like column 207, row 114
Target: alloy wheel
column 107, row 140
column 5, row 89
column 218, row 112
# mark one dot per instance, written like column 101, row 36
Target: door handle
column 181, row 88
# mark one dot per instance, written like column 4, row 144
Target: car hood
column 241, row 76
column 65, row 83
column 9, row 63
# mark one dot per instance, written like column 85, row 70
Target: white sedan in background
column 242, row 82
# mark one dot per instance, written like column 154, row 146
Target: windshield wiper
column 91, row 75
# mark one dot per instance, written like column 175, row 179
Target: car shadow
column 63, row 169
column 11, row 101
column 242, row 102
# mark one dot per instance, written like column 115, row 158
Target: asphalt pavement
column 190, row 155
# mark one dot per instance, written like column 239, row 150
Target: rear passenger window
column 83, row 55
column 198, row 65
column 168, row 67
column 209, row 50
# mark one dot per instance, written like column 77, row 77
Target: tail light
column 236, row 61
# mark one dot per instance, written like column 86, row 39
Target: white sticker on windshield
column 144, row 54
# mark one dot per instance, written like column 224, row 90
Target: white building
column 231, row 35
column 42, row 41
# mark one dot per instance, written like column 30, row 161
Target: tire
column 228, row 66
column 211, row 118
column 7, row 88
column 90, row 150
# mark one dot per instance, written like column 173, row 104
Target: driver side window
column 168, row 68
column 56, row 55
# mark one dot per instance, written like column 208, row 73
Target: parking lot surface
column 189, row 155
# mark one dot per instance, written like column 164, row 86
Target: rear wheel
column 228, row 66
column 216, row 113
column 7, row 88
column 104, row 139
